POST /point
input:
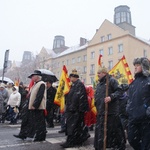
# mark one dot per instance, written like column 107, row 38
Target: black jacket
column 139, row 97
column 50, row 97
column 114, row 91
column 76, row 99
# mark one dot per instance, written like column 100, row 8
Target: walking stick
column 105, row 117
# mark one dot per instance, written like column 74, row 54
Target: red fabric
column 45, row 112
column 90, row 117
column 31, row 84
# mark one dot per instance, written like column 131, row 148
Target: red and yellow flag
column 121, row 71
column 96, row 76
column 63, row 88
column 94, row 85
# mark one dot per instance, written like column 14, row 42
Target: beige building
column 112, row 40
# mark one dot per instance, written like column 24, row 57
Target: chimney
column 82, row 41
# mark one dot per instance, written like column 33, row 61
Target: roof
column 72, row 49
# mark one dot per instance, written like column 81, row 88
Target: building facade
column 111, row 40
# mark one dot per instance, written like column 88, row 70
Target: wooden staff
column 106, row 113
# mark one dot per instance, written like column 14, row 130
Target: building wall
column 132, row 47
column 67, row 60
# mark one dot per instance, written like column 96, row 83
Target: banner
column 16, row 83
column 96, row 76
column 121, row 71
column 63, row 88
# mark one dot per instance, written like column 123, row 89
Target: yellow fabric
column 121, row 71
column 63, row 88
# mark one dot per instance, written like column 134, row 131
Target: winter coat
column 14, row 99
column 122, row 105
column 76, row 99
column 50, row 97
column 139, row 97
column 115, row 133
column 76, row 106
column 38, row 100
column 114, row 91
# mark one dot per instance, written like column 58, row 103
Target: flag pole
column 106, row 113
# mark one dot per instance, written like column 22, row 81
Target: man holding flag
column 107, row 94
column 62, row 90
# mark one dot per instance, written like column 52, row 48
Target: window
column 92, row 80
column 102, row 39
column 120, row 48
column 110, row 64
column 79, row 59
column 92, row 70
column 101, row 52
column 109, row 37
column 67, row 61
column 117, row 18
column 73, row 60
column 123, row 16
column 84, row 69
column 63, row 62
column 145, row 53
column 110, row 50
column 84, row 58
column 92, row 55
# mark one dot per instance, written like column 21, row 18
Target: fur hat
column 145, row 63
column 74, row 74
column 102, row 69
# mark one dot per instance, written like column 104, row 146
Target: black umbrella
column 47, row 75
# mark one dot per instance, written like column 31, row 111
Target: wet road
column 53, row 140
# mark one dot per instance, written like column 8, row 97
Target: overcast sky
column 28, row 25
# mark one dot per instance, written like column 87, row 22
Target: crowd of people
column 123, row 110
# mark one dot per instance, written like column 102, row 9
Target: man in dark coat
column 115, row 134
column 76, row 106
column 37, row 104
column 137, row 106
column 50, row 106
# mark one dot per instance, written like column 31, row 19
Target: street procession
column 94, row 96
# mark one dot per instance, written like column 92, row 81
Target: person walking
column 138, row 106
column 76, row 106
column 37, row 104
column 50, row 106
column 115, row 134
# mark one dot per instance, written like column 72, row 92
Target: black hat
column 36, row 72
column 74, row 74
